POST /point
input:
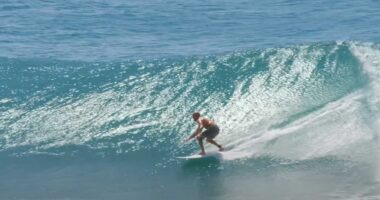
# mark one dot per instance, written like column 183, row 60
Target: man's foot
column 220, row 148
column 202, row 153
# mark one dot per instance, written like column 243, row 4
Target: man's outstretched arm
column 196, row 132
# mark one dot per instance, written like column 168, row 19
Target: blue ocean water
column 96, row 98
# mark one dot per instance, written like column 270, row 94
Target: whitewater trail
column 343, row 128
column 369, row 55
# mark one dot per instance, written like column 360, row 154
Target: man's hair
column 196, row 115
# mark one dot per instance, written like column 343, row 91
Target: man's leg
column 200, row 141
column 209, row 140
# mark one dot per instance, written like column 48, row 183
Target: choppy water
column 96, row 97
column 108, row 30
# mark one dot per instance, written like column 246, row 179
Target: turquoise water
column 96, row 97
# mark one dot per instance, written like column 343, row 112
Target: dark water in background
column 95, row 98
column 108, row 30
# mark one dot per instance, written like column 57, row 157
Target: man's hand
column 186, row 140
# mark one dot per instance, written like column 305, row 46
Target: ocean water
column 96, row 98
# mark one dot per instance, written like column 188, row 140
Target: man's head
column 196, row 116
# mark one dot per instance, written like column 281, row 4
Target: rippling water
column 96, row 97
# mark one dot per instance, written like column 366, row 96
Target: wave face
column 300, row 122
column 302, row 102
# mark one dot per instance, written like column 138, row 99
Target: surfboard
column 215, row 154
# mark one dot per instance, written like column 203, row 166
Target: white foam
column 369, row 55
column 341, row 128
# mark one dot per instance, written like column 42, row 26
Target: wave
column 301, row 102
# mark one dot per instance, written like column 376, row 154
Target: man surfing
column 212, row 130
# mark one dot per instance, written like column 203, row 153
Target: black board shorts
column 211, row 132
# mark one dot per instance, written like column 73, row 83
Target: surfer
column 212, row 130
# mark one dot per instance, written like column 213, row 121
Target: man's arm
column 197, row 131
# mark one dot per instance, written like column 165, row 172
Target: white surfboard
column 215, row 154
